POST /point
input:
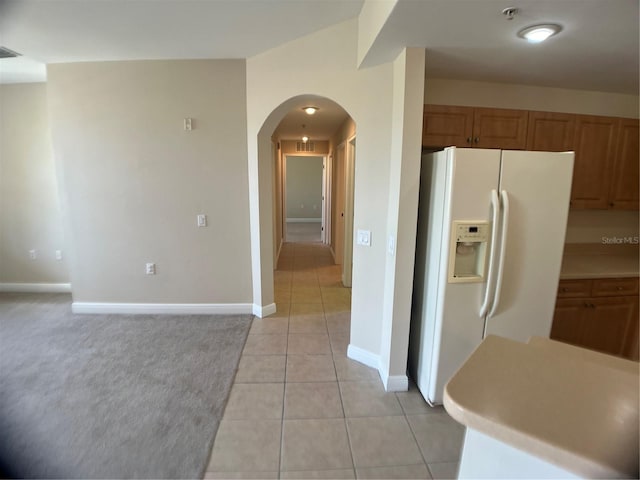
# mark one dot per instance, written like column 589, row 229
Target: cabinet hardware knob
column 619, row 288
column 477, row 139
column 586, row 305
column 611, row 204
column 468, row 139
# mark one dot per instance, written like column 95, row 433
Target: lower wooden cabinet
column 608, row 323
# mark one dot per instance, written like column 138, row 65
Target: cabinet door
column 595, row 149
column 609, row 324
column 500, row 128
column 624, row 185
column 550, row 132
column 574, row 288
column 631, row 348
column 446, row 126
column 569, row 321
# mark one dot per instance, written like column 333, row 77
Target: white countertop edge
column 553, row 454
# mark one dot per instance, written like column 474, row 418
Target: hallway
column 299, row 408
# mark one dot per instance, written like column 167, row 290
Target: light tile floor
column 299, row 408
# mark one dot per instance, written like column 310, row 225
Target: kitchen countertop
column 577, row 410
column 599, row 261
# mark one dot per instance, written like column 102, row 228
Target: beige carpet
column 111, row 396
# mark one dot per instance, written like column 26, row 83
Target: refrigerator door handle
column 503, row 246
column 495, row 204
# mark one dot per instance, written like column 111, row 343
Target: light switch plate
column 202, row 220
column 363, row 237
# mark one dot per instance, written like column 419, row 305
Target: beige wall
column 134, row 179
column 304, row 187
column 590, row 226
column 440, row 91
column 30, row 217
column 327, row 68
column 273, row 86
column 346, row 131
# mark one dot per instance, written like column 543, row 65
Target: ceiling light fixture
column 539, row 33
column 305, row 139
column 310, row 110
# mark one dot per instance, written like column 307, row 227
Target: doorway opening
column 279, row 277
column 304, row 199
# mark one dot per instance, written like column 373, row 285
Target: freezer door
column 538, row 185
column 455, row 307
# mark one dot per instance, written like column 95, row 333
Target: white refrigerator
column 491, row 231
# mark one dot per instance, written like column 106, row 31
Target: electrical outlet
column 151, row 269
column 33, row 254
column 58, row 255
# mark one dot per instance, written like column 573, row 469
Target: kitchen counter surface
column 599, row 261
column 574, row 409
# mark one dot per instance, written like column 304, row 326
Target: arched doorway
column 303, row 275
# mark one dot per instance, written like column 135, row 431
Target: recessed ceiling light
column 539, row 33
column 310, row 110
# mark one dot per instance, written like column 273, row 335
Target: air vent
column 6, row 53
column 305, row 147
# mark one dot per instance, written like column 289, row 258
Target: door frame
column 347, row 263
column 323, row 209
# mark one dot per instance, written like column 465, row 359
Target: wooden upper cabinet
column 595, row 146
column 550, row 132
column 445, row 126
column 625, row 179
column 500, row 128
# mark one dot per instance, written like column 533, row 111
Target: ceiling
column 320, row 126
column 464, row 39
column 472, row 40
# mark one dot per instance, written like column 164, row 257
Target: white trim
column 363, row 356
column 396, row 383
column 393, row 383
column 265, row 311
column 333, row 254
column 36, row 287
column 163, row 308
column 305, row 220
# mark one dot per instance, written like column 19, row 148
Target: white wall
column 440, row 91
column 304, row 187
column 326, row 66
column 134, row 179
column 30, row 217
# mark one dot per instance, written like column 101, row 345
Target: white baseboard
column 363, row 356
column 333, row 254
column 265, row 311
column 396, row 383
column 36, row 287
column 304, row 220
column 163, row 308
column 393, row 383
